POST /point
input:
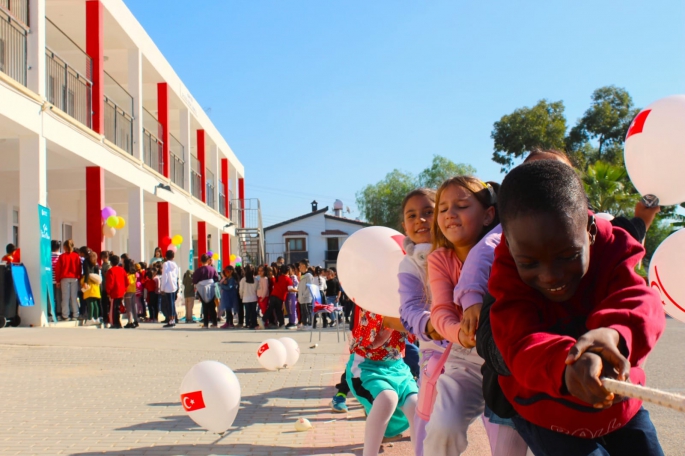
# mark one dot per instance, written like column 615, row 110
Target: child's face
column 303, row 268
column 461, row 217
column 418, row 218
column 552, row 254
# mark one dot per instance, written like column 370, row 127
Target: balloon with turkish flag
column 666, row 274
column 272, row 354
column 368, row 264
column 210, row 395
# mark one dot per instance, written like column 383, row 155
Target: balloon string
column 654, row 396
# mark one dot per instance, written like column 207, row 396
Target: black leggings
column 250, row 314
column 153, row 305
column 275, row 311
column 209, row 313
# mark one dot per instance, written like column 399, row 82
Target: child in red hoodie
column 116, row 283
column 570, row 309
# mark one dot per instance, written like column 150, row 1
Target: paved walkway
column 86, row 391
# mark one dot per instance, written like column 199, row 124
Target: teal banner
column 45, row 289
column 190, row 259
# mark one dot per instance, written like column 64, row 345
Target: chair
column 319, row 307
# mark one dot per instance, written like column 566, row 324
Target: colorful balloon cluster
column 212, row 255
column 235, row 260
column 171, row 243
column 111, row 222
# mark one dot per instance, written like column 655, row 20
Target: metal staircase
column 247, row 215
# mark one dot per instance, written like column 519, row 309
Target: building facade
column 92, row 115
column 316, row 236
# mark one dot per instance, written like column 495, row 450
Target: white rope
column 670, row 400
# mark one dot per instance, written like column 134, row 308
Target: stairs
column 247, row 215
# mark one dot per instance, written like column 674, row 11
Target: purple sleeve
column 473, row 282
column 414, row 310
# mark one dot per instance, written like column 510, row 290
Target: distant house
column 316, row 236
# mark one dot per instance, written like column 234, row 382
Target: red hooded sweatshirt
column 116, row 282
column 68, row 266
column 535, row 334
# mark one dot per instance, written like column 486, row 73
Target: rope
column 670, row 400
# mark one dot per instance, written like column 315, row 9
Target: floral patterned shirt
column 371, row 340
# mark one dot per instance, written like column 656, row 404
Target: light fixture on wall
column 166, row 187
column 228, row 225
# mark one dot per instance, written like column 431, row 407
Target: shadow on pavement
column 233, row 450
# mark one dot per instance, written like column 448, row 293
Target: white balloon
column 292, row 351
column 271, row 354
column 604, row 215
column 666, row 274
column 210, row 395
column 368, row 263
column 655, row 150
column 302, row 424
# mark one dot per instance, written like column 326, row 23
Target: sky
column 319, row 98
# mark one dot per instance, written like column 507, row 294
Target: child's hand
column 465, row 340
column 604, row 342
column 582, row 380
column 469, row 322
column 432, row 332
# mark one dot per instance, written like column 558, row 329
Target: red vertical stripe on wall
column 95, row 49
column 225, row 249
column 203, row 167
column 241, row 196
column 224, row 182
column 201, row 239
column 95, row 202
column 163, row 118
column 163, row 224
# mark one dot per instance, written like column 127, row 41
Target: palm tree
column 607, row 188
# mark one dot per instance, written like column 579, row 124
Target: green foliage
column 659, row 231
column 381, row 203
column 542, row 126
column 607, row 191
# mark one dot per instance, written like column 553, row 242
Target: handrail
column 55, row 34
column 18, row 9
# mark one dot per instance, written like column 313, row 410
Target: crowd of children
column 517, row 323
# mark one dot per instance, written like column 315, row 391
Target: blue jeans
column 636, row 437
column 411, row 359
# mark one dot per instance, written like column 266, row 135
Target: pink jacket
column 444, row 269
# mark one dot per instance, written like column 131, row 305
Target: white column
column 185, row 141
column 35, row 52
column 135, row 88
column 213, row 163
column 187, row 233
column 32, row 192
column 136, row 224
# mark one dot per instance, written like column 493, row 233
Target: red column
column 224, row 181
column 225, row 249
column 201, row 239
column 241, row 196
column 163, row 224
column 95, row 49
column 95, row 201
column 163, row 117
column 203, row 166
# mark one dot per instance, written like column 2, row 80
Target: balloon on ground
column 292, row 351
column 368, row 263
column 666, row 274
column 655, row 150
column 210, row 395
column 271, row 354
column 302, row 424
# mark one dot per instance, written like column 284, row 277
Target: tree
column 606, row 189
column 380, row 203
column 542, row 126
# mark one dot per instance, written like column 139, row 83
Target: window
column 66, row 232
column 333, row 244
column 296, row 245
column 15, row 227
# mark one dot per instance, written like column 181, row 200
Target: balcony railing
column 195, row 178
column 209, row 178
column 17, row 8
column 153, row 147
column 118, row 117
column 332, row 255
column 222, row 200
column 296, row 257
column 177, row 165
column 12, row 47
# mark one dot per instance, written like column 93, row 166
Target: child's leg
column 409, row 410
column 637, row 437
column 384, row 406
column 508, row 442
column 458, row 403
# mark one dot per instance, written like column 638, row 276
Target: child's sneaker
column 338, row 403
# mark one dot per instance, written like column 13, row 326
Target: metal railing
column 222, row 199
column 153, row 147
column 67, row 89
column 118, row 117
column 17, row 8
column 13, row 38
column 177, row 165
column 195, row 178
column 209, row 183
